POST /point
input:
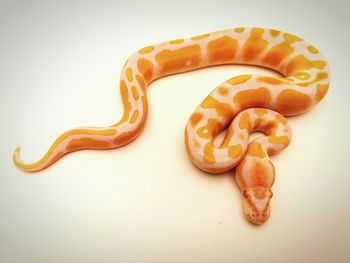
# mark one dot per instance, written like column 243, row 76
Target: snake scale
column 243, row 104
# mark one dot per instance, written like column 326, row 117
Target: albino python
column 243, row 104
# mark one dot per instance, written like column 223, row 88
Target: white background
column 146, row 202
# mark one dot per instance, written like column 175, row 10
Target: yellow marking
column 146, row 50
column 129, row 74
column 208, row 156
column 278, row 139
column 291, row 102
column 244, row 121
column 172, row 61
column 291, row 38
column 255, row 149
column 199, row 37
column 302, row 76
column 235, row 151
column 208, row 131
column 222, row 109
column 146, row 68
column 134, row 116
column 260, row 97
column 176, row 41
column 127, row 105
column 301, row 63
column 223, row 91
column 271, row 80
column 280, row 119
column 195, row 118
column 260, row 112
column 141, row 82
column 227, row 139
column 135, row 93
column 222, row 49
column 254, row 45
column 320, row 76
column 239, row 29
column 239, row 79
column 312, row 49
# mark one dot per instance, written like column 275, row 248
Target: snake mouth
column 257, row 214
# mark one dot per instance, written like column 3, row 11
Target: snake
column 238, row 107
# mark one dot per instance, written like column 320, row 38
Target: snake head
column 256, row 204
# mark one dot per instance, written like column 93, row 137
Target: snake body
column 244, row 104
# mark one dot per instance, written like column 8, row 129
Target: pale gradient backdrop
column 59, row 68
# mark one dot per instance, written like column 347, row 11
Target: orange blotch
column 129, row 74
column 222, row 50
column 239, row 79
column 260, row 97
column 210, row 129
column 140, row 80
column 291, row 102
column 125, row 100
column 222, row 109
column 223, row 91
column 255, row 149
column 208, row 156
column 124, row 138
column 244, row 121
column 278, row 139
column 274, row 32
column 195, row 118
column 280, row 119
column 301, row 63
column 134, row 116
column 321, row 91
column 234, row 151
column 146, row 68
column 271, row 80
column 320, row 64
column 254, row 45
column 260, row 112
column 84, row 143
column 199, row 37
column 146, row 50
column 173, row 61
column 280, row 51
column 135, row 93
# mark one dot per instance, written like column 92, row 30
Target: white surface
column 146, row 202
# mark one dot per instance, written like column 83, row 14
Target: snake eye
column 245, row 193
column 271, row 194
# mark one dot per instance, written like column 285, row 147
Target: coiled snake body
column 244, row 104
